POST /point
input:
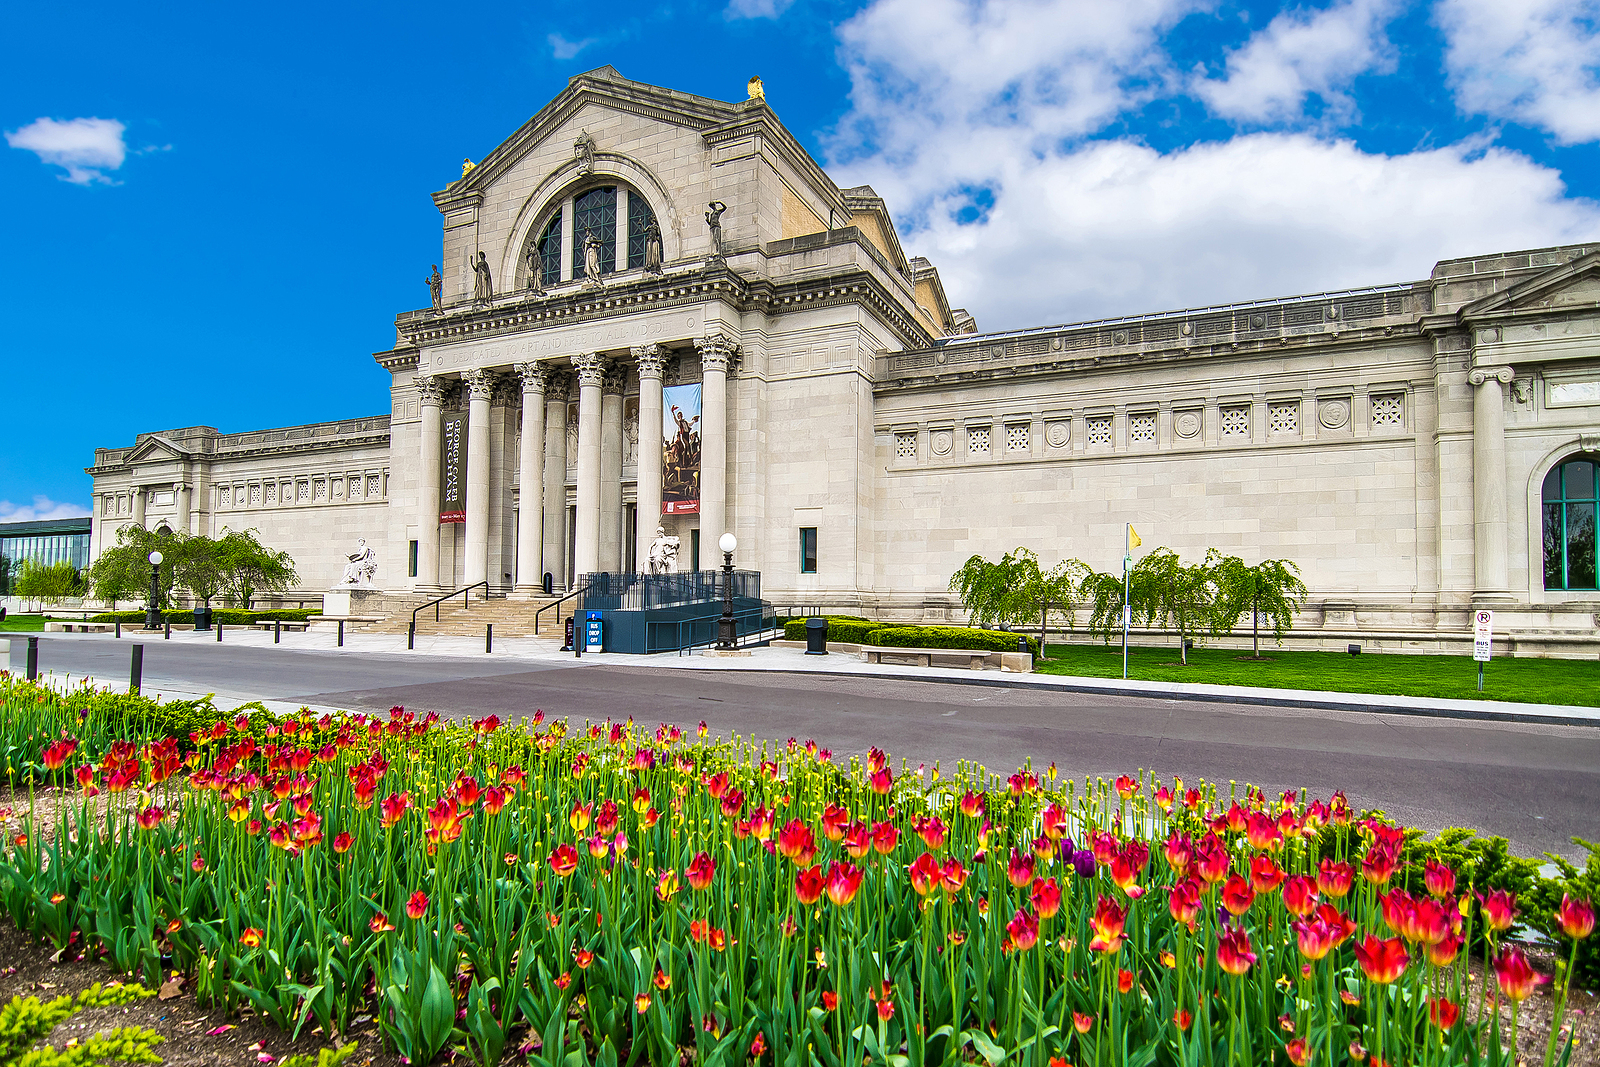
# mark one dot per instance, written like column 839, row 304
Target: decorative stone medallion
column 1186, row 423
column 1057, row 434
column 1334, row 414
column 1258, row 322
column 941, row 442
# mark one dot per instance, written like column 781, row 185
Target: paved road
column 1536, row 784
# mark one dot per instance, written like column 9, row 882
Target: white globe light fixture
column 727, row 631
column 728, row 542
column 156, row 558
column 152, row 614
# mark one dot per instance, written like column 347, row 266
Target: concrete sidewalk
column 546, row 653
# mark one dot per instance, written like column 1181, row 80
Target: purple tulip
column 1083, row 863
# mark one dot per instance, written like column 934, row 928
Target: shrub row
column 949, row 637
column 226, row 616
column 851, row 629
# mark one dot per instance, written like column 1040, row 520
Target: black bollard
column 411, row 635
column 341, row 633
column 277, row 630
column 219, row 632
column 488, row 637
column 167, row 636
column 137, row 670
column 119, row 628
column 33, row 659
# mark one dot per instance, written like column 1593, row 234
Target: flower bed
column 626, row 895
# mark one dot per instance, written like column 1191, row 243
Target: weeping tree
column 122, row 572
column 236, row 565
column 1177, row 594
column 1272, row 589
column 246, row 567
column 1016, row 591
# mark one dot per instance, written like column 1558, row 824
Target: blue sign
column 593, row 633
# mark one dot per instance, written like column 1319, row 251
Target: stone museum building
column 652, row 309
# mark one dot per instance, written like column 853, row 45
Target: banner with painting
column 680, row 461
column 453, row 468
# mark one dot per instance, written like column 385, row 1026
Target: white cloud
column 1535, row 62
column 1301, row 54
column 756, row 9
column 973, row 120
column 561, row 48
column 42, row 508
column 85, row 148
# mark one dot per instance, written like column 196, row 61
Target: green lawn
column 17, row 624
column 1538, row 681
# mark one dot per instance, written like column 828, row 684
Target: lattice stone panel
column 905, row 445
column 1236, row 421
column 1142, row 428
column 978, row 440
column 255, row 494
column 227, row 496
column 372, row 485
column 1097, row 430
column 1388, row 411
column 1017, row 437
column 1284, row 418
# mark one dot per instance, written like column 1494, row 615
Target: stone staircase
column 511, row 618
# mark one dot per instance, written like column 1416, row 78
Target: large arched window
column 1571, row 496
column 618, row 217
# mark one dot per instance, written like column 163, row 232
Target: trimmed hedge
column 949, row 637
column 848, row 628
column 226, row 616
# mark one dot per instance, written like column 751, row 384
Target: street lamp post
column 727, row 638
column 152, row 615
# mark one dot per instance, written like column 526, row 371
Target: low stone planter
column 79, row 627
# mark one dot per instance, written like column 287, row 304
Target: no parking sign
column 1482, row 634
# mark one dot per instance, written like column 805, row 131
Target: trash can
column 202, row 618
column 816, row 637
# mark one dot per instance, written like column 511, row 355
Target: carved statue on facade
column 652, row 248
column 535, row 272
column 361, row 568
column 583, row 149
column 482, row 282
column 591, row 257
column 714, row 221
column 436, row 289
column 663, row 553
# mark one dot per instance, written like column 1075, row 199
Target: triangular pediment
column 607, row 88
column 154, row 446
column 1573, row 285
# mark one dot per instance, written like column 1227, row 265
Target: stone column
column 611, row 389
column 586, row 551
column 480, row 386
column 180, row 499
column 1489, row 483
column 555, row 476
column 530, row 481
column 431, row 392
column 652, row 361
column 715, row 352
column 139, row 494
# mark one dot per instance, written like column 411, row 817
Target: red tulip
column 1046, row 897
column 1299, row 896
column 1333, row 879
column 809, row 884
column 953, row 874
column 1179, row 853
column 1262, row 832
column 1082, row 1023
column 1264, row 874
column 972, row 804
column 924, row 874
column 1442, row 953
column 342, row 843
column 844, row 881
column 834, row 822
column 1338, row 922
column 55, row 755
column 1443, row 1012
column 1440, row 880
column 701, row 870
column 885, row 835
column 758, row 1046
column 1576, row 917
column 380, row 924
column 1299, row 1052
column 417, row 906
column 830, row 1000
column 1237, row 896
column 1233, row 950
column 1383, row 960
column 717, row 784
column 1380, row 862
column 1023, row 929
column 857, row 840
column 1020, row 869
column 880, row 781
column 1499, row 909
column 1183, row 901
column 393, row 807
column 1516, row 978
column 885, row 1010
column 1123, row 872
column 796, row 842
column 932, row 831
column 1108, row 923
column 251, row 937
column 1124, row 981
column 1315, row 938
column 564, row 860
column 1164, row 798
column 1211, row 859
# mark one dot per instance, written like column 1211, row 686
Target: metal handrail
column 466, row 601
column 584, row 588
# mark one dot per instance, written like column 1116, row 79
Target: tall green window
column 550, row 253
column 1571, row 497
column 639, row 218
column 596, row 212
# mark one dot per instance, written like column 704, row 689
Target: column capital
column 505, row 390
column 590, row 368
column 717, row 350
column 557, row 384
column 535, row 378
column 430, row 389
column 1480, row 375
column 479, row 383
column 614, row 377
column 652, row 360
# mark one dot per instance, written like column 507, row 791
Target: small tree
column 1272, row 588
column 246, row 567
column 51, row 583
column 123, row 570
column 1172, row 592
column 1015, row 591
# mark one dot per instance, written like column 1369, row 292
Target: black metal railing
column 579, row 591
column 464, row 594
column 637, row 592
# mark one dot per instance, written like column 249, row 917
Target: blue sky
column 214, row 214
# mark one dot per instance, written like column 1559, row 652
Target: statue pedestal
column 350, row 601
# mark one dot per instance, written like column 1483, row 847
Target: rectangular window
column 411, row 560
column 808, row 550
column 694, row 550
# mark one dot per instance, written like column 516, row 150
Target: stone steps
column 510, row 618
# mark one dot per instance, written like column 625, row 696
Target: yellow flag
column 1133, row 539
